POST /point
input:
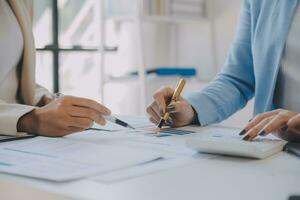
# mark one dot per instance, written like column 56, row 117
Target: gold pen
column 175, row 98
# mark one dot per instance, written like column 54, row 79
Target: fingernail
column 262, row 133
column 243, row 132
column 246, row 138
column 285, row 128
column 171, row 108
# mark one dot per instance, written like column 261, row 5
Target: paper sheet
column 155, row 166
column 61, row 159
column 172, row 149
column 107, row 156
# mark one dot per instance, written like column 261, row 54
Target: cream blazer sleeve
column 29, row 92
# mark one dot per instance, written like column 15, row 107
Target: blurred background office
column 103, row 49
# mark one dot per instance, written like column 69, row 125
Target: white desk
column 274, row 178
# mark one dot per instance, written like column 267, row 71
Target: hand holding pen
column 106, row 115
column 181, row 112
column 62, row 116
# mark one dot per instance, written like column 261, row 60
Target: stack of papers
column 109, row 154
column 61, row 159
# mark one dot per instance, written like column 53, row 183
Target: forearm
column 220, row 99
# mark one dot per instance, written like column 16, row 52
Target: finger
column 156, row 109
column 254, row 131
column 257, row 119
column 176, row 107
column 80, row 122
column 294, row 122
column 83, row 112
column 151, row 111
column 170, row 121
column 277, row 123
column 83, row 102
column 154, row 121
column 161, row 96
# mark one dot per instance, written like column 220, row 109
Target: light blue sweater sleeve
column 235, row 85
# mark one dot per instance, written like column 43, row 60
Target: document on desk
column 61, row 159
column 172, row 149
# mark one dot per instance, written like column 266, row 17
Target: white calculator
column 233, row 145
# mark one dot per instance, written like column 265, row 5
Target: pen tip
column 131, row 127
column 161, row 123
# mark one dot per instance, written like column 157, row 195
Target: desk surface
column 220, row 177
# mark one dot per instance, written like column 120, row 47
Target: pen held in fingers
column 118, row 121
column 170, row 108
column 161, row 123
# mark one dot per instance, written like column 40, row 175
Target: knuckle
column 168, row 89
column 259, row 117
column 90, row 113
column 265, row 120
column 161, row 92
column 157, row 93
column 153, row 104
column 100, row 121
column 65, row 100
column 103, row 121
column 283, row 115
column 148, row 109
column 279, row 110
column 255, row 130
column 268, row 129
column 87, row 123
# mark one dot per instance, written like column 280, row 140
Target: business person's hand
column 181, row 111
column 63, row 116
column 282, row 123
column 46, row 99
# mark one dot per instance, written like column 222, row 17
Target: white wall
column 197, row 38
column 190, row 41
column 185, row 44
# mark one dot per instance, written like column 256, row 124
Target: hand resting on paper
column 63, row 116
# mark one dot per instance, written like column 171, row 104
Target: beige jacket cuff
column 9, row 116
